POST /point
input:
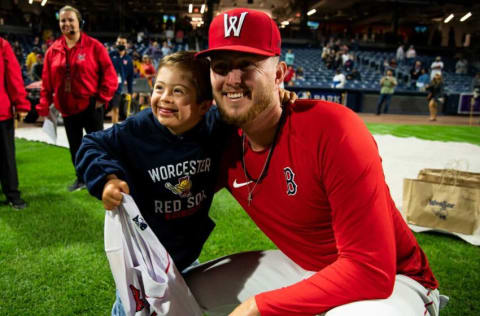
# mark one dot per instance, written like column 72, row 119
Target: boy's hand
column 287, row 97
column 247, row 308
column 112, row 192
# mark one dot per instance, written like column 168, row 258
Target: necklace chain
column 263, row 173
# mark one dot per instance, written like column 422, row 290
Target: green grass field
column 51, row 254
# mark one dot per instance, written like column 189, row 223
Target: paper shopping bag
column 451, row 208
column 450, row 177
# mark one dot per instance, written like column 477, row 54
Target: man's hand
column 112, row 192
column 247, row 308
column 287, row 97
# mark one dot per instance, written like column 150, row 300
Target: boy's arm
column 98, row 158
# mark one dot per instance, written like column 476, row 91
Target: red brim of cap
column 235, row 48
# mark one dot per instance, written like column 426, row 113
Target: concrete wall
column 401, row 104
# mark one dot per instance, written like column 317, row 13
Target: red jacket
column 12, row 91
column 91, row 71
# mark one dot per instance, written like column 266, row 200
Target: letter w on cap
column 233, row 24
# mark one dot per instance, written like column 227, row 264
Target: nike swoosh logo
column 237, row 185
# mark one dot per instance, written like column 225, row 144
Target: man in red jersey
column 310, row 176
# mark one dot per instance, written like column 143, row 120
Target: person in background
column 354, row 75
column 124, row 67
column 18, row 51
column 410, row 55
column 289, row 58
column 148, row 70
column 37, row 68
column 476, row 90
column 318, row 193
column 137, row 64
column 289, row 76
column 79, row 78
column 13, row 98
column 435, row 95
column 300, row 74
column 415, row 73
column 32, row 59
column 423, row 80
column 461, row 67
column 387, row 87
column 436, row 67
column 166, row 49
column 339, row 79
column 400, row 55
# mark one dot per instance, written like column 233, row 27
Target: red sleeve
column 13, row 80
column 108, row 78
column 46, row 92
column 353, row 179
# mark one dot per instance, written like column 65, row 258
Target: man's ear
column 205, row 106
column 280, row 72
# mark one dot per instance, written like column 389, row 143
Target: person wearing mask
column 124, row 67
column 13, row 98
column 435, row 95
column 387, row 87
column 79, row 78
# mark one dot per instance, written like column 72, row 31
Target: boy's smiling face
column 174, row 100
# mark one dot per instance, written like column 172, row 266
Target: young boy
column 164, row 157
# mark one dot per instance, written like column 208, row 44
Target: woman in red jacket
column 79, row 78
column 13, row 97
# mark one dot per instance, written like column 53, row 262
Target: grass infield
column 51, row 254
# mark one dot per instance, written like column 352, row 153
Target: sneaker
column 17, row 203
column 77, row 185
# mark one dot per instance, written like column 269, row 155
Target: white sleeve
column 144, row 273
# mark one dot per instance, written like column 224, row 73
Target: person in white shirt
column 436, row 67
column 400, row 53
column 339, row 80
column 411, row 54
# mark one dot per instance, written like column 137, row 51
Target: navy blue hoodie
column 172, row 178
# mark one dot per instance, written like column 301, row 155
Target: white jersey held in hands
column 146, row 277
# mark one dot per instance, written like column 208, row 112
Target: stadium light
column 449, row 18
column 465, row 17
column 202, row 9
column 43, row 2
column 311, row 12
column 190, row 8
column 30, row 1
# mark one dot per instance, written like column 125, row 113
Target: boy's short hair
column 199, row 67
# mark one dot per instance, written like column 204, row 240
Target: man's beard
column 261, row 102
